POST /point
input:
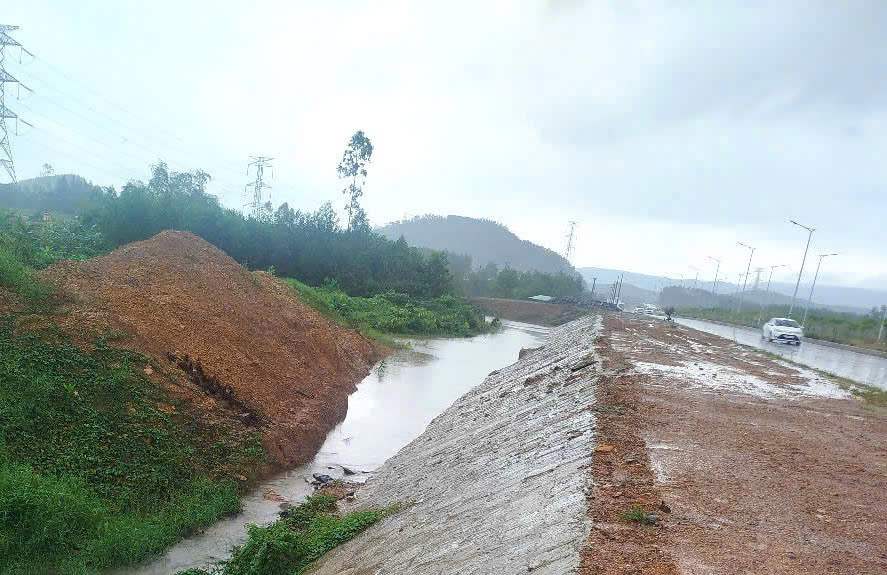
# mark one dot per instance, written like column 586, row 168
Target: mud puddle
column 390, row 408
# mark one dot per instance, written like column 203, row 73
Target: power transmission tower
column 757, row 277
column 6, row 113
column 255, row 204
column 570, row 236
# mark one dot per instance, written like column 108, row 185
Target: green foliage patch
column 395, row 313
column 290, row 545
column 94, row 470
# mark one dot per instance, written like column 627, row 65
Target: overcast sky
column 669, row 130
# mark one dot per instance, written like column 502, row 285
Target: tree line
column 310, row 246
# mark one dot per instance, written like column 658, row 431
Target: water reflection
column 390, row 408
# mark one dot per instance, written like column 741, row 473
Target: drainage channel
column 390, row 408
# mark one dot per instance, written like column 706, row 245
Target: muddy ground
column 741, row 463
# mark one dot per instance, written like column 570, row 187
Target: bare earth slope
column 177, row 294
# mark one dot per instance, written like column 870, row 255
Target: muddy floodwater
column 390, row 408
column 863, row 368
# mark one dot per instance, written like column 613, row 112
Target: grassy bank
column 291, row 544
column 395, row 313
column 846, row 328
column 98, row 468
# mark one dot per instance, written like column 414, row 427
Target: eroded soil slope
column 267, row 362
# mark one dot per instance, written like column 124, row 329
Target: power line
column 127, row 134
column 5, row 113
column 260, row 162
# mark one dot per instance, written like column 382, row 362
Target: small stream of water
column 391, row 407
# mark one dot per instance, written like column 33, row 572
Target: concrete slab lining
column 498, row 481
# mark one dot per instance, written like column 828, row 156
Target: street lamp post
column 803, row 261
column 881, row 329
column 767, row 294
column 695, row 294
column 714, row 285
column 810, row 298
column 744, row 283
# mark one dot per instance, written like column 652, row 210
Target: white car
column 783, row 329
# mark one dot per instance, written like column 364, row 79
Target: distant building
column 541, row 298
column 47, row 217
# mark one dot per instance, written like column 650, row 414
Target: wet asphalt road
column 859, row 367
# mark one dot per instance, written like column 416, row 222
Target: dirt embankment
column 749, row 464
column 238, row 344
column 538, row 313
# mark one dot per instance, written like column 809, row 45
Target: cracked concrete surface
column 498, row 480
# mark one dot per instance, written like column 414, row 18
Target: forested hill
column 485, row 241
column 66, row 193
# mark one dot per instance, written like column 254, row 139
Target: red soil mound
column 266, row 361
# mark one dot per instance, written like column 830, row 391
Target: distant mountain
column 609, row 276
column 485, row 241
column 630, row 295
column 838, row 298
column 67, row 193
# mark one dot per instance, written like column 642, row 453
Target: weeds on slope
column 394, row 313
column 291, row 544
column 98, row 468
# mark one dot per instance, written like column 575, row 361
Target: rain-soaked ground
column 390, row 408
column 858, row 367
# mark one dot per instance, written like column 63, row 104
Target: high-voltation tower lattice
column 5, row 113
column 570, row 236
column 255, row 204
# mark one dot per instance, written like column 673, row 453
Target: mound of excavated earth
column 241, row 345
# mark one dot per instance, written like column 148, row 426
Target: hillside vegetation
column 484, row 241
column 63, row 194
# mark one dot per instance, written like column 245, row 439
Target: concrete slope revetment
column 498, row 482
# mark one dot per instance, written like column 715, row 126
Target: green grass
column 94, row 471
column 394, row 313
column 290, row 545
column 637, row 515
column 17, row 277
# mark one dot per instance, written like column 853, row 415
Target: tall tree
column 352, row 169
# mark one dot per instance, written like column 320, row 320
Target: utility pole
column 619, row 292
column 260, row 162
column 803, row 261
column 695, row 293
column 810, row 298
column 767, row 294
column 569, row 252
column 593, row 283
column 5, row 113
column 747, row 270
column 714, row 285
